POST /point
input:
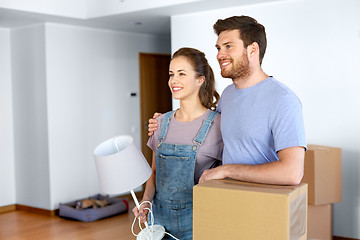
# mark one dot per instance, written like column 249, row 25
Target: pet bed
column 115, row 206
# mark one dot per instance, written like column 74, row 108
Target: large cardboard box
column 320, row 222
column 229, row 209
column 322, row 173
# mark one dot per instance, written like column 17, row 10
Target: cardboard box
column 229, row 209
column 322, row 173
column 320, row 222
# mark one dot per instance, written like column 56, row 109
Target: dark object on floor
column 90, row 210
column 93, row 203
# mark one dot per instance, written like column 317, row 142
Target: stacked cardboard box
column 322, row 173
column 229, row 209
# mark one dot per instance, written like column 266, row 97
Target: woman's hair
column 208, row 95
column 250, row 31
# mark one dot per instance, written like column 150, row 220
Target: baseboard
column 35, row 210
column 47, row 212
column 343, row 238
column 8, row 208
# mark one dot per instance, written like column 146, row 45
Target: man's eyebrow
column 223, row 44
column 226, row 43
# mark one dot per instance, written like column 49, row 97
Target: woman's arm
column 151, row 182
column 148, row 193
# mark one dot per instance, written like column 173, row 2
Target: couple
column 262, row 135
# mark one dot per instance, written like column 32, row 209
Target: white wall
column 314, row 48
column 90, row 75
column 7, row 172
column 60, row 8
column 87, row 8
column 108, row 7
column 63, row 91
column 30, row 117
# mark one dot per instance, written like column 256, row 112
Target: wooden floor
column 22, row 225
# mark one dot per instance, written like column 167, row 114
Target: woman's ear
column 200, row 80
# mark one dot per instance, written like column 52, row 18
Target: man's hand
column 214, row 173
column 153, row 124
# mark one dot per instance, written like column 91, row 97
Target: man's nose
column 221, row 54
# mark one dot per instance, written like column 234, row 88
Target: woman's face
column 183, row 81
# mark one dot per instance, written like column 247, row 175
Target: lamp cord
column 152, row 223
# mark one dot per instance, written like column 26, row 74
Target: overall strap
column 205, row 128
column 164, row 126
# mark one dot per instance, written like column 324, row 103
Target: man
column 261, row 119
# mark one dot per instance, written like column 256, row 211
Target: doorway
column 155, row 95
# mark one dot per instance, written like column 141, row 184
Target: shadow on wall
column 351, row 195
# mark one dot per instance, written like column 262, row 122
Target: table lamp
column 121, row 167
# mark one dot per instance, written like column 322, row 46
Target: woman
column 187, row 142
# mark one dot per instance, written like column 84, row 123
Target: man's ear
column 253, row 50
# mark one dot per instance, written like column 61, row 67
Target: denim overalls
column 175, row 165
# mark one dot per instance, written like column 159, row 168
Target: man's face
column 232, row 56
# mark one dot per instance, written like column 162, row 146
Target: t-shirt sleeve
column 288, row 124
column 151, row 143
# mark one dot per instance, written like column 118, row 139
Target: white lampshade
column 121, row 167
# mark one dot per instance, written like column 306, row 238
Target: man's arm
column 288, row 170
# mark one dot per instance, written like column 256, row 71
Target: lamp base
column 145, row 234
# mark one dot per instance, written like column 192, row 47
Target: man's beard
column 240, row 70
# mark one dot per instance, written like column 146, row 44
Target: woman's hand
column 142, row 213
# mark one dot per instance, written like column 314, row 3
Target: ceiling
column 136, row 18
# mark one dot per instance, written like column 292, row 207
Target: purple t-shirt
column 185, row 132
